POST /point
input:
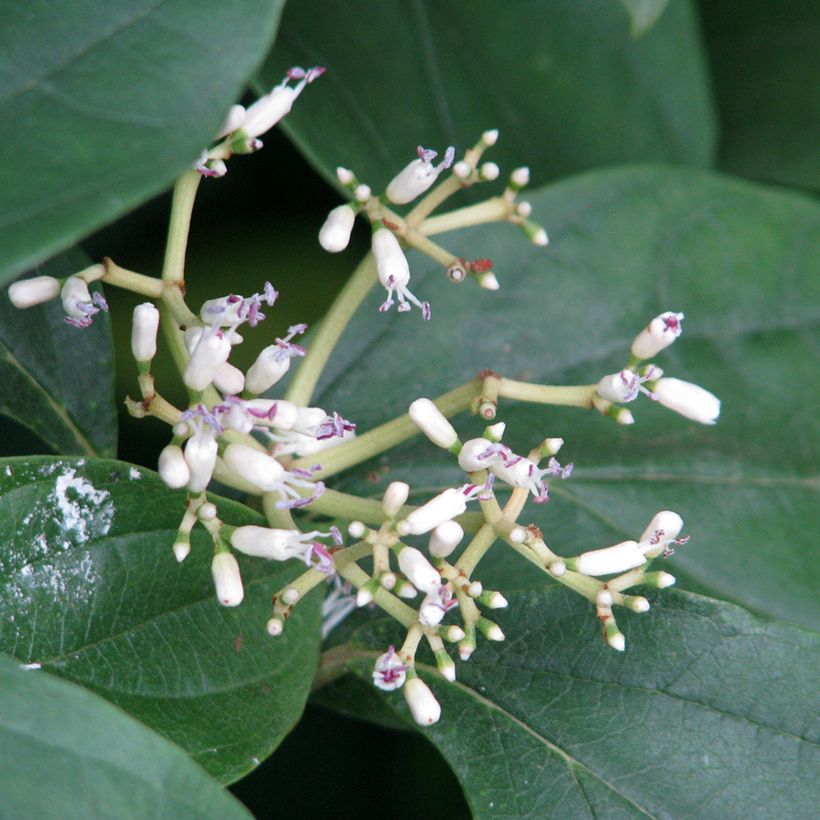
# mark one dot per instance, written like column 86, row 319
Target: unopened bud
column 490, row 630
column 345, row 176
column 334, row 235
column 614, row 637
column 444, row 507
column 657, row 335
column 519, row 178
column 395, row 497
column 290, row 596
column 452, row 633
column 173, row 468
column 34, row 291
column 445, row 665
column 611, row 560
column 182, row 550
column 690, row 400
column 206, row 511
column 489, row 171
column 422, row 702
column 144, row 326
column 254, row 466
column 490, row 138
column 462, row 169
column 356, row 529
column 419, row 571
column 227, row 579
column 445, row 538
column 275, row 627
column 432, row 422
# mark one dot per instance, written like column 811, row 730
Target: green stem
column 476, row 549
column 130, row 280
column 173, row 269
column 379, row 439
column 571, row 396
column 333, row 325
column 496, row 209
column 384, row 599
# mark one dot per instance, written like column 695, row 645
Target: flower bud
column 446, row 505
column 275, row 627
column 657, row 335
column 173, row 468
column 419, row 571
column 334, row 235
column 520, row 177
column 462, row 169
column 688, row 399
column 345, row 176
column 445, row 538
column 264, row 542
column 200, row 455
column 489, row 171
column 34, row 291
column 395, row 497
column 611, row 560
column 432, row 422
column 229, row 380
column 233, row 121
column 490, row 138
column 614, row 637
column 182, row 549
column 391, row 263
column 422, row 702
column 227, row 579
column 211, row 351
column 666, row 524
column 144, row 326
column 254, row 466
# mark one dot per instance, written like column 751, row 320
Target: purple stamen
column 557, row 470
column 426, row 154
column 269, row 294
column 336, row 534
column 425, row 311
column 70, row 320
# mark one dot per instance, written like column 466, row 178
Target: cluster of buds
column 617, row 389
column 390, row 231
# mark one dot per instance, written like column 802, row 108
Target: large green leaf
column 740, row 261
column 708, row 713
column 91, row 592
column 58, row 380
column 565, row 82
column 67, row 754
column 766, row 68
column 103, row 103
column 644, row 14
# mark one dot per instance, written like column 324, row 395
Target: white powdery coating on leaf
column 82, row 511
column 134, row 474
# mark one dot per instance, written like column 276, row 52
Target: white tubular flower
column 419, row 571
column 232, row 122
column 254, row 466
column 688, row 399
column 395, row 497
column 423, row 705
column 268, row 110
column 518, row 471
column 334, row 235
column 394, row 272
column 227, row 579
column 445, row 538
column 415, row 178
column 268, row 369
column 144, row 326
column 228, row 379
column 665, row 525
column 657, row 335
column 435, row 605
column 34, row 291
column 444, row 507
column 389, row 672
column 173, row 468
column 433, row 423
column 276, row 545
column 480, row 454
column 211, row 351
column 618, row 387
column 79, row 304
column 200, row 454
column 611, row 560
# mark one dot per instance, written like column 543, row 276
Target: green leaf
column 104, row 103
column 67, row 753
column 644, row 14
column 58, row 381
column 740, row 261
column 565, row 82
column 708, row 713
column 766, row 69
column 91, row 591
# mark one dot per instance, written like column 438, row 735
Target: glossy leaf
column 91, row 591
column 766, row 68
column 67, row 753
column 104, row 103
column 566, row 83
column 644, row 14
column 58, row 380
column 696, row 718
column 740, row 261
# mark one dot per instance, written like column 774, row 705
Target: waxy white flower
column 254, row 466
column 657, row 335
column 227, row 579
column 34, row 291
column 228, row 379
column 274, row 544
column 173, row 468
column 445, row 538
column 334, row 235
column 233, row 121
column 200, row 455
column 211, row 351
column 274, row 361
column 445, row 506
column 389, row 672
column 433, row 423
column 690, row 400
column 144, row 326
column 415, row 178
column 418, row 570
column 79, row 304
column 610, row 560
column 665, row 525
column 435, row 605
column 480, row 454
column 394, row 272
column 395, row 497
column 518, row 471
column 424, row 707
column 268, row 110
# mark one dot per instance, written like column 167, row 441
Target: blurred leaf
column 565, row 82
column 67, row 753
column 58, row 380
column 92, row 592
column 708, row 713
column 104, row 103
column 740, row 261
column 644, row 14
column 766, row 68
